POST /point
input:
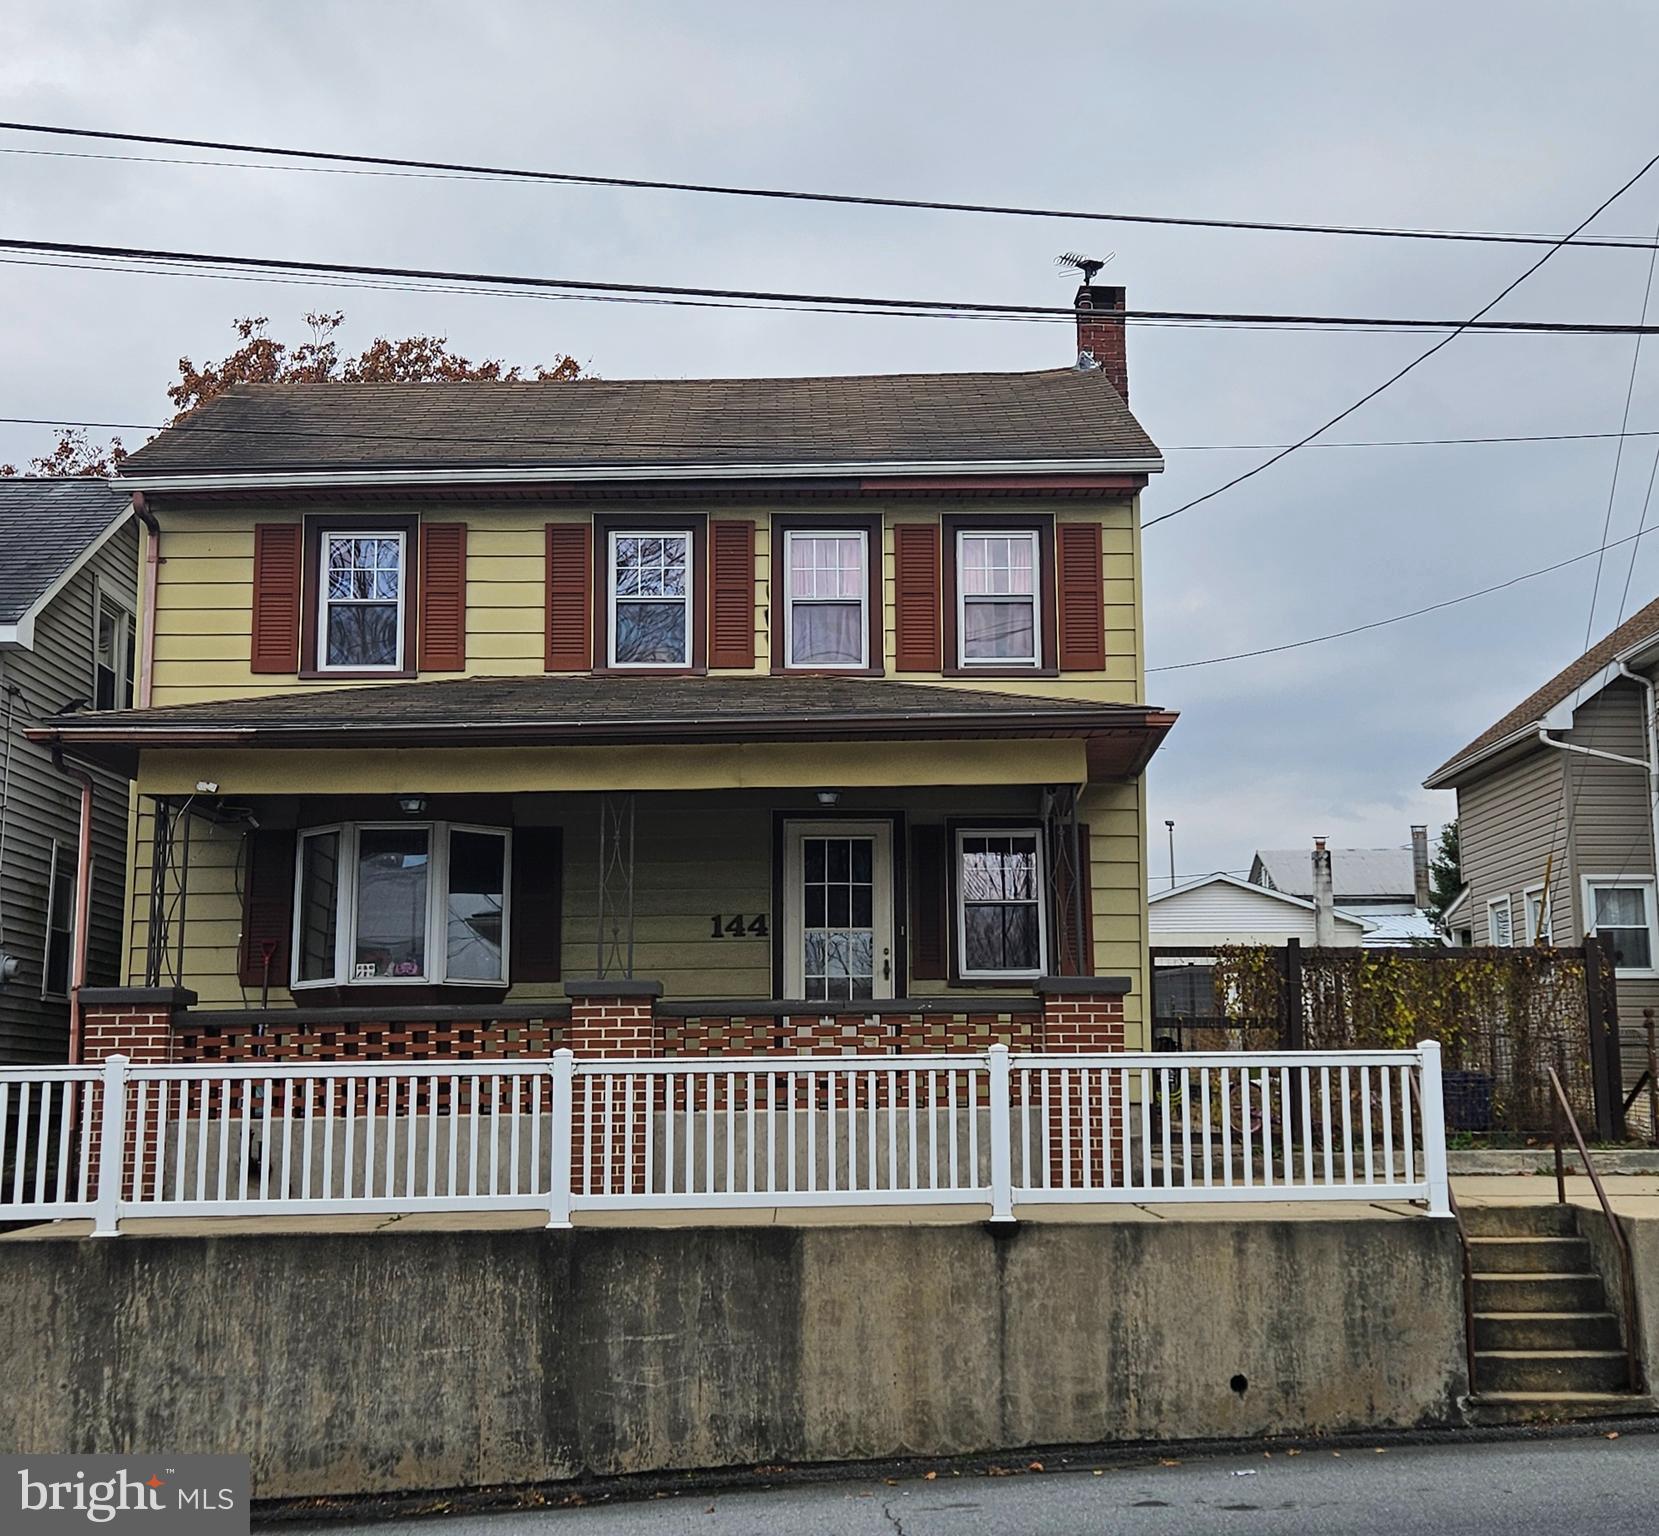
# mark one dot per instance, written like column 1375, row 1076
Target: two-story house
column 1556, row 806
column 811, row 695
column 68, row 625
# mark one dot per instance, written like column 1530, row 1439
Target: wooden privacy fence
column 1503, row 1018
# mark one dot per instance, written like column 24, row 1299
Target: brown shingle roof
column 915, row 418
column 1532, row 709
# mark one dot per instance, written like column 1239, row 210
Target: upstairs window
column 114, row 634
column 60, row 921
column 1620, row 913
column 650, row 599
column 999, row 889
column 360, row 619
column 826, row 618
column 1497, row 922
column 401, row 902
column 998, row 617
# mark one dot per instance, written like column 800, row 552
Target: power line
column 1416, row 362
column 1400, row 618
column 347, row 163
column 864, row 303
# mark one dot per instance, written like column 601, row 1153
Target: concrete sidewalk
column 1631, row 1196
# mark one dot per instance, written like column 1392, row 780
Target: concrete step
column 1546, row 1330
column 1487, row 1408
column 1499, row 1292
column 1551, row 1370
column 1530, row 1255
column 1521, row 1220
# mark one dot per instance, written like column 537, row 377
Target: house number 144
column 736, row 927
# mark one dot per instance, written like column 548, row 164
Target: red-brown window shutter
column 569, row 597
column 1082, row 597
column 267, row 908
column 731, row 593
column 443, row 597
column 916, row 598
column 1068, row 962
column 929, row 951
column 538, row 904
column 276, row 597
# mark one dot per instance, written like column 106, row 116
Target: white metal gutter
column 577, row 474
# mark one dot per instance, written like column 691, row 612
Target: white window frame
column 959, row 916
column 1643, row 883
column 1539, row 928
column 1501, row 903
column 324, row 537
column 437, row 896
column 963, row 660
column 46, row 992
column 689, row 597
column 102, row 599
column 790, row 600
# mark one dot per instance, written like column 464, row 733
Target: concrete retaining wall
column 1642, row 1233
column 355, row 1363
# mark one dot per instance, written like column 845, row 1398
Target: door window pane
column 997, row 579
column 838, row 960
column 319, row 904
column 1000, row 894
column 650, row 586
column 392, row 873
column 828, row 587
column 362, row 600
column 476, row 901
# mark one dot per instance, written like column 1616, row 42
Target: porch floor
column 1632, row 1195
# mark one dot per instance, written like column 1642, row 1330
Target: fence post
column 1293, row 1029
column 1433, row 1110
column 112, row 1148
column 1002, row 1115
column 564, row 1098
column 1606, row 1070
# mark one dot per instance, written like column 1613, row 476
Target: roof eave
column 20, row 634
column 1450, row 775
column 580, row 474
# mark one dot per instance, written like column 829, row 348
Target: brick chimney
column 1420, row 866
column 1324, row 896
column 1100, row 336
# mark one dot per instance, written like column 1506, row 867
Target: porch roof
column 582, row 710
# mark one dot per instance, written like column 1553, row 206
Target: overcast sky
column 1495, row 116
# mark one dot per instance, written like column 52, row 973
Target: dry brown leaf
column 929, row 1476
column 1034, row 1466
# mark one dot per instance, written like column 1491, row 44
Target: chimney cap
column 1319, row 843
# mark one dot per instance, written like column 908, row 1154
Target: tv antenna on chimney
column 1087, row 265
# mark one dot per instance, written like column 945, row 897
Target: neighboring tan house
column 1388, row 887
column 68, row 600
column 825, row 691
column 1223, row 909
column 1556, row 805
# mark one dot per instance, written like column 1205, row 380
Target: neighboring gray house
column 1387, row 887
column 68, row 639
column 1556, row 807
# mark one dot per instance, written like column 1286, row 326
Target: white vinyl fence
column 987, row 1130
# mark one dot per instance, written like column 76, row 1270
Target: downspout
column 83, row 900
column 152, row 564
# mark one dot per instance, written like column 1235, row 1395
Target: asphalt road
column 1610, row 1487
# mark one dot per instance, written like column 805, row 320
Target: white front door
column 838, row 910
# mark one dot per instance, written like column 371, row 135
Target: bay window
column 998, row 607
column 1619, row 911
column 399, row 902
column 1001, row 927
column 649, row 588
column 826, row 616
column 360, row 614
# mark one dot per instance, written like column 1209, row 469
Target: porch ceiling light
column 829, row 796
column 411, row 805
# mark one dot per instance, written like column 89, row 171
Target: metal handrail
column 1627, row 1267
column 1465, row 1252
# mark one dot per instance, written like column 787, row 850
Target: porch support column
column 1082, row 1015
column 614, row 1018
column 135, row 1022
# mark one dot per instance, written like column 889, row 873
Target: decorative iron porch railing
column 990, row 1132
